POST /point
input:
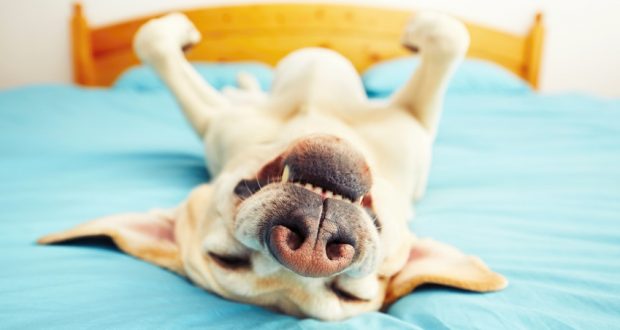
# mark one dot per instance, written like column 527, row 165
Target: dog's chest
column 401, row 149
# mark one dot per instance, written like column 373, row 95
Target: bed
column 528, row 181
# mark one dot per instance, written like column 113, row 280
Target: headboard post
column 534, row 51
column 83, row 64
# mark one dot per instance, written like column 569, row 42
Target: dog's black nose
column 330, row 163
column 314, row 240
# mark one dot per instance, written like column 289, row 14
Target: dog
column 313, row 184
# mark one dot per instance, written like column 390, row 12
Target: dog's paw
column 160, row 36
column 436, row 34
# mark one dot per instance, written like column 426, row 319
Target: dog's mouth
column 312, row 217
column 324, row 165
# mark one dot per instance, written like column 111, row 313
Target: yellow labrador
column 313, row 184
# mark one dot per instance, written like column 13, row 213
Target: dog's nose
column 310, row 246
column 306, row 258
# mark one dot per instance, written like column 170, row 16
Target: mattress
column 528, row 182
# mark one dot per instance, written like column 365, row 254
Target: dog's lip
column 324, row 193
column 326, row 162
column 246, row 188
column 277, row 171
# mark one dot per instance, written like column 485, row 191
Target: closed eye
column 345, row 296
column 231, row 262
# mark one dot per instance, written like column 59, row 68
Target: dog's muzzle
column 314, row 222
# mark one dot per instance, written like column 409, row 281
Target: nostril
column 283, row 237
column 337, row 251
column 293, row 239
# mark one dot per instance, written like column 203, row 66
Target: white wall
column 582, row 49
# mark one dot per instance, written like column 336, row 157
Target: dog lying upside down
column 313, row 184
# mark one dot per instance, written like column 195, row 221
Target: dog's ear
column 148, row 236
column 437, row 263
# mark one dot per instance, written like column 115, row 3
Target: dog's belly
column 318, row 78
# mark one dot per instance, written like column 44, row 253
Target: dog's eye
column 345, row 296
column 231, row 262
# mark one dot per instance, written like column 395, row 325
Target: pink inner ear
column 433, row 262
column 416, row 254
column 156, row 228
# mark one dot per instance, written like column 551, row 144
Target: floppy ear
column 437, row 263
column 149, row 236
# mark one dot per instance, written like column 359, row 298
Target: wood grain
column 266, row 33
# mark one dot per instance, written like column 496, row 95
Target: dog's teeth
column 285, row 174
column 309, row 187
column 338, row 197
column 318, row 190
column 329, row 194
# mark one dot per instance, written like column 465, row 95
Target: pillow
column 472, row 76
column 219, row 75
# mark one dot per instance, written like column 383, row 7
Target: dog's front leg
column 160, row 43
column 442, row 42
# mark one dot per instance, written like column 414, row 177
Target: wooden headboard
column 267, row 32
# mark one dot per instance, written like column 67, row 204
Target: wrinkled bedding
column 529, row 183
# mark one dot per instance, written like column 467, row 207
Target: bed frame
column 267, row 32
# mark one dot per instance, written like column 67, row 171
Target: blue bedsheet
column 530, row 183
